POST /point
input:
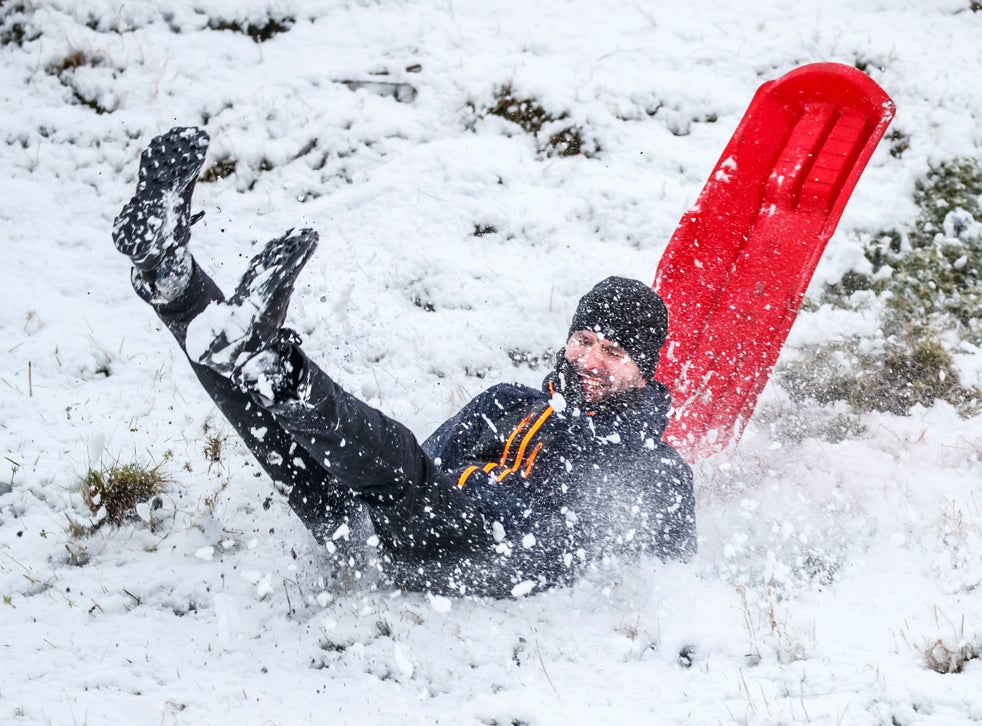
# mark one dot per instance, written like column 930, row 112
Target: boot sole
column 158, row 217
column 261, row 299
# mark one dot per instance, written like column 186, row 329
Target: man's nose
column 591, row 358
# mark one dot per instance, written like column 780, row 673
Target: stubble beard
column 595, row 387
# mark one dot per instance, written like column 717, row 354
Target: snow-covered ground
column 826, row 570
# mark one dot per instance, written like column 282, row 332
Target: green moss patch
column 929, row 278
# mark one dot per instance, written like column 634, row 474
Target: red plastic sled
column 737, row 267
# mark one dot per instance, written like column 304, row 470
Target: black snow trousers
column 339, row 456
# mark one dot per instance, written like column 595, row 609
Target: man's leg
column 153, row 230
column 320, row 502
column 416, row 509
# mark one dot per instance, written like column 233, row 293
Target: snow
column 826, row 570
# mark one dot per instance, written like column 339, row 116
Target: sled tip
column 837, row 82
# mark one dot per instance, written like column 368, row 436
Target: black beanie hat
column 629, row 313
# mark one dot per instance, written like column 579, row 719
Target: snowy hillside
column 838, row 573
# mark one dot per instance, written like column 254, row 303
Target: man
column 522, row 489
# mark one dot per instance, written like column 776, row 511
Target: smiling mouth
column 592, row 385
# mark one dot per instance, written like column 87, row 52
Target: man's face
column 603, row 366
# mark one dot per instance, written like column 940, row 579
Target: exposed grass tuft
column 948, row 653
column 554, row 134
column 943, row 659
column 113, row 493
column 220, row 169
column 526, row 112
column 14, row 24
column 227, row 166
column 259, row 32
column 213, row 447
column 899, row 143
column 65, row 70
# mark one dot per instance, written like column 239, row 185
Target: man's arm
column 454, row 442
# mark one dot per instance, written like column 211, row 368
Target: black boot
column 154, row 227
column 253, row 316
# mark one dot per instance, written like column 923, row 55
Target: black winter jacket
column 567, row 484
